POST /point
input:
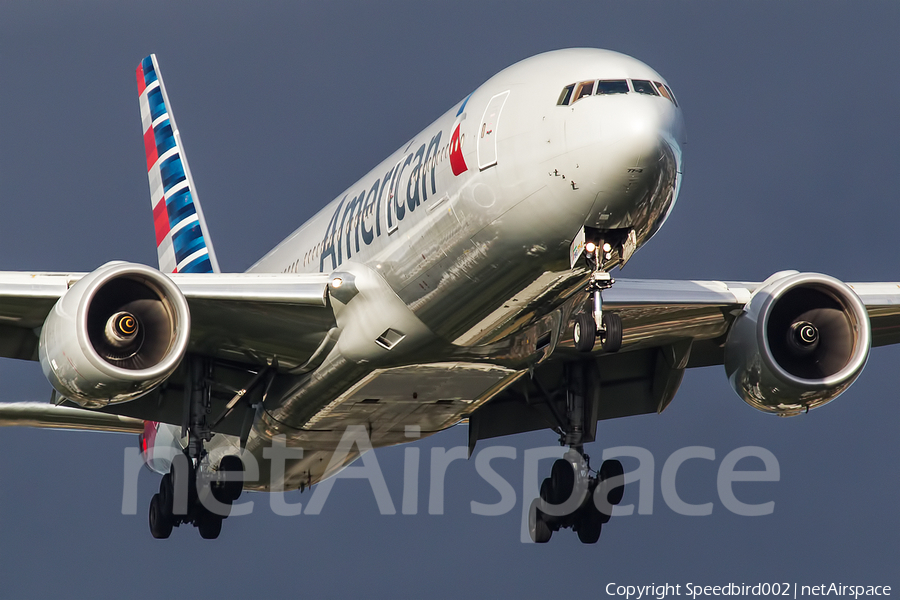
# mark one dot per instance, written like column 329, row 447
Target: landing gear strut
column 594, row 322
column 191, row 492
column 574, row 496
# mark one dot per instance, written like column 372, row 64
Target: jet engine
column 115, row 335
column 799, row 343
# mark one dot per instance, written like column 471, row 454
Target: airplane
column 467, row 278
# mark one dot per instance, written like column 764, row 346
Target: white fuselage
column 454, row 224
column 536, row 172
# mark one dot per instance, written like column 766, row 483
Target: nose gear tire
column 584, row 333
column 611, row 336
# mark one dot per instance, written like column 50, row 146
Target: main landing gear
column 202, row 500
column 191, row 492
column 574, row 496
column 594, row 322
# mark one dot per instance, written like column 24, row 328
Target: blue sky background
column 792, row 161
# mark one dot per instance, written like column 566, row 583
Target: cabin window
column 642, row 86
column 612, row 86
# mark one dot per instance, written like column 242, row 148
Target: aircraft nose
column 636, row 127
column 626, row 129
column 626, row 152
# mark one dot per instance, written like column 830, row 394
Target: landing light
column 337, row 282
column 590, row 247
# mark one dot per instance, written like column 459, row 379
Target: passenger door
column 487, row 131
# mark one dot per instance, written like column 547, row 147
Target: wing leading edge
column 250, row 306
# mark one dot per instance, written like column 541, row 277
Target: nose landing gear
column 593, row 323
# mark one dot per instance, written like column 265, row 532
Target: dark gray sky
column 791, row 162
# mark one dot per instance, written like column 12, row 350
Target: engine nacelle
column 115, row 335
column 799, row 343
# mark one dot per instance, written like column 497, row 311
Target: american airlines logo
column 378, row 208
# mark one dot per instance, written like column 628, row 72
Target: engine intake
column 799, row 343
column 115, row 335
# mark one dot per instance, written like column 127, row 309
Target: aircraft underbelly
column 431, row 397
column 393, row 405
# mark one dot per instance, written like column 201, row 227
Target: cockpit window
column 574, row 92
column 585, row 88
column 671, row 94
column 664, row 92
column 612, row 86
column 642, row 86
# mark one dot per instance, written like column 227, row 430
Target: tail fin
column 182, row 239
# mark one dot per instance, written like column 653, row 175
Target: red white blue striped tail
column 182, row 239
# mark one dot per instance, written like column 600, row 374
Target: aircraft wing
column 882, row 302
column 668, row 326
column 655, row 311
column 238, row 317
column 49, row 416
